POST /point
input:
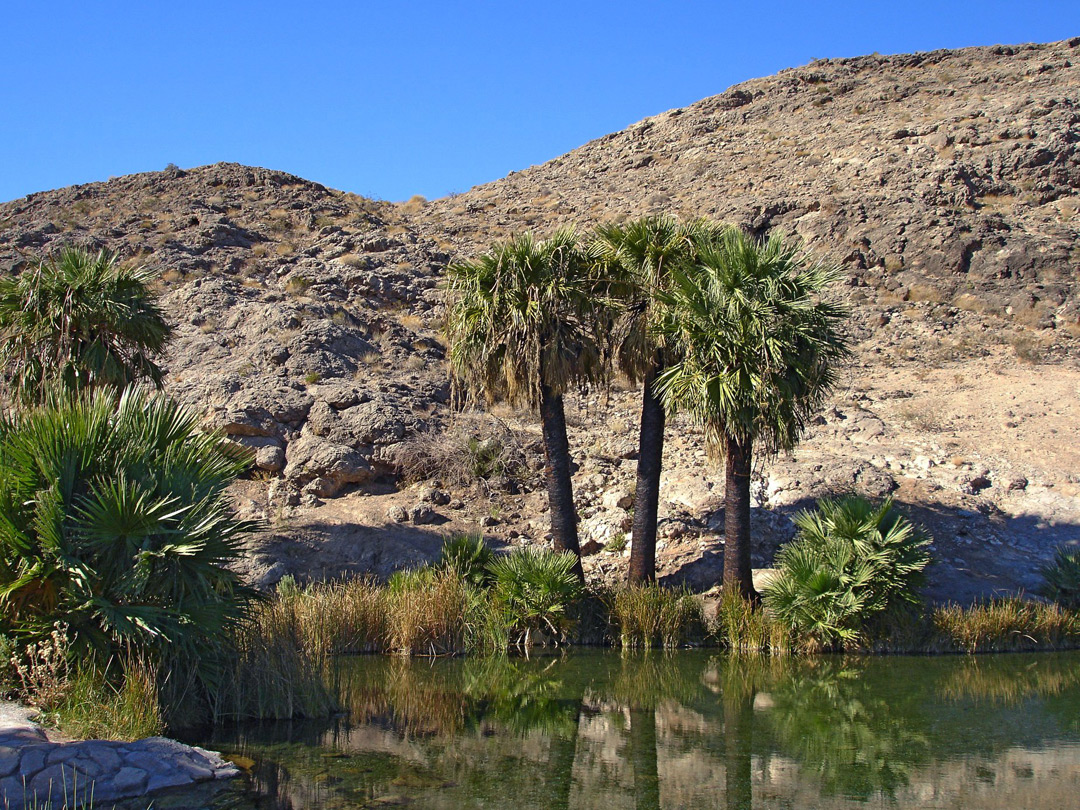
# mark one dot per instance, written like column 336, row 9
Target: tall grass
column 743, row 627
column 653, row 616
column 1004, row 625
column 282, row 665
column 95, row 708
column 428, row 614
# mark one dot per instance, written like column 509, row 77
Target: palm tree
column 638, row 258
column 114, row 519
column 758, row 347
column 79, row 320
column 521, row 329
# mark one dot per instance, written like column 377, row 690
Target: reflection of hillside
column 588, row 732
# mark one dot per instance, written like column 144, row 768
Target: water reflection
column 683, row 730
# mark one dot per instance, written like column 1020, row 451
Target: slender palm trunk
column 647, row 493
column 737, row 518
column 557, row 476
column 561, row 765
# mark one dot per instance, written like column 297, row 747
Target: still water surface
column 688, row 730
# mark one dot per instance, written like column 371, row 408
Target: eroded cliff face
column 308, row 320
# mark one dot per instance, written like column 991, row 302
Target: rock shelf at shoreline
column 34, row 770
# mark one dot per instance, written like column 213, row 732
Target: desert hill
column 307, row 320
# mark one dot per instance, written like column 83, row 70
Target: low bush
column 852, row 563
column 652, row 616
column 1062, row 578
column 534, row 590
column 472, row 451
column 469, row 557
column 114, row 520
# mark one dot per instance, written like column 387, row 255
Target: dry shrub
column 474, row 449
column 43, row 670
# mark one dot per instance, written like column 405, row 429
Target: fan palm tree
column 114, row 520
column 79, row 320
column 522, row 329
column 638, row 258
column 758, row 346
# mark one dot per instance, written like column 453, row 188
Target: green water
column 689, row 730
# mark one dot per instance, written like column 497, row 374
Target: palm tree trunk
column 557, row 475
column 647, row 493
column 561, row 760
column 737, row 518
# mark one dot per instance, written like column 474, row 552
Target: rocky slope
column 944, row 176
column 948, row 185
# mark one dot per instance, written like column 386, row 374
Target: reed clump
column 281, row 664
column 741, row 626
column 1004, row 625
column 427, row 613
column 652, row 616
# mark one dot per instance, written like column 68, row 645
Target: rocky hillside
column 948, row 176
column 948, row 185
column 301, row 314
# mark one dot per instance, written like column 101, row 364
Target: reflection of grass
column 1008, row 682
column 646, row 679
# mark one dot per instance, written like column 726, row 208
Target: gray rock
column 128, row 781
column 311, row 457
column 398, row 514
column 422, row 514
column 437, row 497
column 33, row 758
column 9, row 760
column 270, row 458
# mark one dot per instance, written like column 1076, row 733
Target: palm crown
column 523, row 318
column 79, row 320
column 757, row 343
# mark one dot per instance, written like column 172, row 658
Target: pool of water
column 686, row 730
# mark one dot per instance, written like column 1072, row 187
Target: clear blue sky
column 391, row 99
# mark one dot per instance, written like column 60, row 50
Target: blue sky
column 393, row 99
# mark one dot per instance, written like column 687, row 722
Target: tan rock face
column 307, row 320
